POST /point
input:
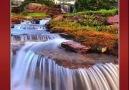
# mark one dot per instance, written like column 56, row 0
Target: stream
column 35, row 57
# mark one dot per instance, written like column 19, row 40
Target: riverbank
column 94, row 29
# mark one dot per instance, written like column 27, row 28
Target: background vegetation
column 82, row 5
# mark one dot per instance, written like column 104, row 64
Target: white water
column 28, row 25
column 66, row 1
column 29, row 31
column 26, row 22
column 67, row 9
column 34, row 37
column 44, row 21
column 39, row 72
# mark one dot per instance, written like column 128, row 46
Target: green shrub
column 99, row 28
column 24, row 13
column 45, row 2
column 64, row 3
column 82, row 5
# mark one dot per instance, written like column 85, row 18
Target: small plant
column 24, row 13
column 99, row 28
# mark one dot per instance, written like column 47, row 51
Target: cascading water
column 29, row 32
column 33, row 37
column 33, row 70
column 67, row 8
column 29, row 27
column 26, row 22
column 44, row 21
column 40, row 72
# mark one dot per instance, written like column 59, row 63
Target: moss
column 37, row 14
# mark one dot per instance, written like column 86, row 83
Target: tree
column 95, row 4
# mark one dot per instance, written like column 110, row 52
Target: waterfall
column 39, row 72
column 33, row 37
column 33, row 69
column 26, row 22
column 44, row 21
column 67, row 8
column 30, row 25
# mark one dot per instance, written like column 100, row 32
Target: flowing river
column 34, row 65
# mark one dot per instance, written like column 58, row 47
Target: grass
column 90, row 37
column 85, row 25
column 102, row 11
column 24, row 15
column 88, row 33
column 37, row 14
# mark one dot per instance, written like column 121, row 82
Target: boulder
column 58, row 17
column 35, row 7
column 75, row 47
column 54, row 11
column 64, row 35
column 15, row 21
column 12, row 25
column 16, row 9
column 113, row 19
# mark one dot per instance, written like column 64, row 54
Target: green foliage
column 45, row 2
column 12, row 3
column 85, row 23
column 105, row 12
column 24, row 13
column 99, row 28
column 92, row 20
column 64, row 3
column 82, row 5
column 48, row 2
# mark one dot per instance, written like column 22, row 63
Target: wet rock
column 77, row 60
column 16, row 9
column 75, row 47
column 98, row 49
column 36, row 21
column 12, row 25
column 15, row 21
column 64, row 35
